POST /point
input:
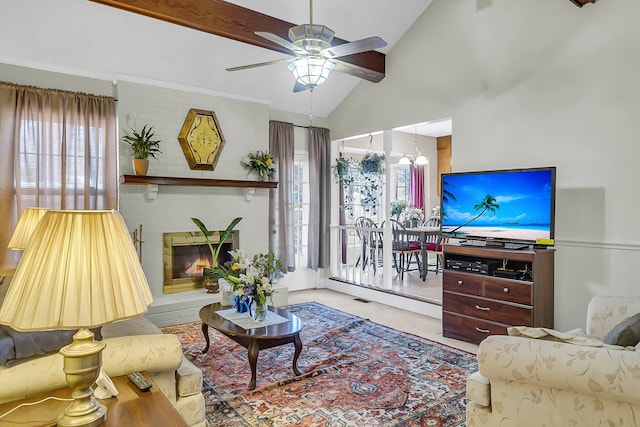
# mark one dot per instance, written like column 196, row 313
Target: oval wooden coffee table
column 255, row 339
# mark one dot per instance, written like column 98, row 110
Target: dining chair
column 404, row 248
column 374, row 240
column 363, row 242
column 434, row 243
column 371, row 242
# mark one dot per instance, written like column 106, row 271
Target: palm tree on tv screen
column 446, row 196
column 488, row 203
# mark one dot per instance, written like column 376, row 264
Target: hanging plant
column 342, row 170
column 372, row 163
column 371, row 192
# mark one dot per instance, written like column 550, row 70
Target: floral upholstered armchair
column 570, row 379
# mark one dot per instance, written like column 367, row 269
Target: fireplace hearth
column 185, row 254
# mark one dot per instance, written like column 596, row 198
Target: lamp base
column 94, row 419
column 82, row 361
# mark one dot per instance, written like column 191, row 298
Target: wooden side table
column 131, row 407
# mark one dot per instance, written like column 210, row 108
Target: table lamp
column 26, row 225
column 80, row 270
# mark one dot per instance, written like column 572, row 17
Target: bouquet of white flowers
column 254, row 279
column 413, row 214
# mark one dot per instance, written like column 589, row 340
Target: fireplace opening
column 186, row 254
column 188, row 261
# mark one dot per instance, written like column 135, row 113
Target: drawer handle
column 505, row 290
column 482, row 308
column 484, row 331
column 460, row 282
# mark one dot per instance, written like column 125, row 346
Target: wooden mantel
column 195, row 182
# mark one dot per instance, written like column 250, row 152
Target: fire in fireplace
column 186, row 254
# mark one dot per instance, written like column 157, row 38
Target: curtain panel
column 281, row 238
column 319, row 198
column 59, row 150
column 416, row 189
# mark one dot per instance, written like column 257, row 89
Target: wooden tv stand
column 480, row 298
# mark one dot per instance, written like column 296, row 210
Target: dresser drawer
column 508, row 290
column 509, row 314
column 469, row 329
column 465, row 283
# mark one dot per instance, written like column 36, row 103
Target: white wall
column 532, row 83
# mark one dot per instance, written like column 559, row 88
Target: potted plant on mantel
column 143, row 146
column 211, row 275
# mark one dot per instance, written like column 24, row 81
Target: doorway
column 403, row 190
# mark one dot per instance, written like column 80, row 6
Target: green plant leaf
column 203, row 228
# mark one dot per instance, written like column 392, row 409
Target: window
column 52, row 170
column 60, row 151
column 301, row 208
column 402, row 189
column 362, row 194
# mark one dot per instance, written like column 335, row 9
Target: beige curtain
column 281, row 241
column 319, row 198
column 58, row 150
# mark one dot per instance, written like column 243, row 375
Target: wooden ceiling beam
column 581, row 3
column 231, row 21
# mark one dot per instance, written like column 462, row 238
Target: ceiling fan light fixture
column 310, row 71
column 306, row 31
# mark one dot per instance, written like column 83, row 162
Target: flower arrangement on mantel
column 261, row 163
column 253, row 280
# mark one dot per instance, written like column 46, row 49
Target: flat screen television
column 514, row 208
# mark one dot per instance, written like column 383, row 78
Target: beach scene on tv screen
column 512, row 205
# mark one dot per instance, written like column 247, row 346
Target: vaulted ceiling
column 212, row 39
column 93, row 39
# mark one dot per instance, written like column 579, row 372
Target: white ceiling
column 434, row 128
column 91, row 39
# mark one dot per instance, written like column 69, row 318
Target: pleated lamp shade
column 80, row 270
column 26, row 225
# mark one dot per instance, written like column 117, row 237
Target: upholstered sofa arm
column 122, row 355
column 151, row 353
column 605, row 373
column 605, row 312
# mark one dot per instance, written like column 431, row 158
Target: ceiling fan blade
column 361, row 72
column 281, row 41
column 299, row 87
column 363, row 45
column 259, row 64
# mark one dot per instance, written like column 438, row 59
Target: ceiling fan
column 313, row 56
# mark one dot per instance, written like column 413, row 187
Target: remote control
column 141, row 382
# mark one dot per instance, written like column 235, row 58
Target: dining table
column 422, row 233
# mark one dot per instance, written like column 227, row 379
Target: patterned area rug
column 356, row 373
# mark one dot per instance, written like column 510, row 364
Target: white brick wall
column 245, row 127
